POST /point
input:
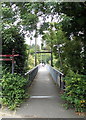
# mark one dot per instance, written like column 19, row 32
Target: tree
column 73, row 28
column 12, row 38
column 70, row 27
column 74, row 25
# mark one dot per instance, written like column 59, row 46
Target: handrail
column 57, row 76
column 58, row 71
column 31, row 70
column 31, row 75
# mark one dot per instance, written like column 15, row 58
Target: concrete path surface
column 45, row 101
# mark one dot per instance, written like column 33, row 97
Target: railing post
column 60, row 80
column 64, row 83
column 51, row 59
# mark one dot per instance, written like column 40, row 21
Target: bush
column 75, row 91
column 13, row 91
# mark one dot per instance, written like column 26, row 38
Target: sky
column 30, row 42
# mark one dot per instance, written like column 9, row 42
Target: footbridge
column 45, row 84
column 56, row 75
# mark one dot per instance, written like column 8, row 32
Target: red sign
column 5, row 59
column 9, row 59
column 1, row 59
column 9, row 55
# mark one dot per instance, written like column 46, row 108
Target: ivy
column 13, row 90
column 75, row 91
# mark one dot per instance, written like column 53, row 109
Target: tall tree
column 74, row 25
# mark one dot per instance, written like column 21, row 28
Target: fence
column 57, row 76
column 30, row 75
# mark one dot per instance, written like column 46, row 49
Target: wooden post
column 13, row 61
column 9, row 59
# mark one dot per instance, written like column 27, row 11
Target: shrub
column 13, row 90
column 75, row 91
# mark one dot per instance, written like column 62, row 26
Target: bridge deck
column 45, row 101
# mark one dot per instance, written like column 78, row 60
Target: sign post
column 13, row 61
column 9, row 59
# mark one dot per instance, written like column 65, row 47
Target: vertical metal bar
column 41, row 57
column 13, row 61
column 51, row 59
column 60, row 57
column 45, row 59
column 60, row 80
column 63, row 84
column 35, row 52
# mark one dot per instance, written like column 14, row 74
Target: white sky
column 30, row 42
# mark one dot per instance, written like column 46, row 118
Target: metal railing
column 30, row 75
column 57, row 76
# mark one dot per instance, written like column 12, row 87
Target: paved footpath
column 45, row 101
